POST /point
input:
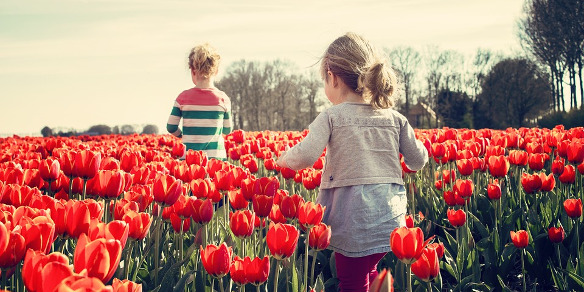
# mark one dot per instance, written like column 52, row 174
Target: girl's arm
column 227, row 121
column 414, row 152
column 305, row 153
column 174, row 120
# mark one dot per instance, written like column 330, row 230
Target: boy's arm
column 174, row 120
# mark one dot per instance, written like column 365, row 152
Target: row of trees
column 101, row 130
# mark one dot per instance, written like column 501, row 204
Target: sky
column 78, row 63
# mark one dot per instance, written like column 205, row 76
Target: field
column 499, row 210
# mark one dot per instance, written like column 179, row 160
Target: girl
column 205, row 110
column 362, row 187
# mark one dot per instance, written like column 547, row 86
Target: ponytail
column 378, row 85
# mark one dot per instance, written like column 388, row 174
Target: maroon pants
column 356, row 274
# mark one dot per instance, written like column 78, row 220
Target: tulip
column 86, row 164
column 463, row 188
column 78, row 218
column 179, row 224
column 383, row 282
column 237, row 271
column 520, row 238
column 310, row 214
column 558, row 165
column 498, row 165
column 266, row 186
column 409, row 221
column 531, row 183
column 548, row 182
column 427, row 267
column 38, row 233
column 200, row 188
column 196, row 157
column 203, row 211
column 116, row 229
column 241, row 223
column 4, row 237
column 518, row 157
column 216, row 259
column 78, row 282
column 494, row 190
column 99, row 257
column 456, row 218
column 407, row 244
column 262, row 205
column 236, row 199
column 50, row 169
column 276, row 215
column 556, row 235
column 125, row 286
column 439, row 247
column 282, row 240
column 289, row 206
column 537, row 161
column 573, row 208
column 42, row 272
column 319, row 236
column 575, row 151
column 166, row 190
column 138, row 224
column 464, row 166
column 15, row 250
column 568, row 176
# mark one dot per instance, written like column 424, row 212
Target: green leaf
column 476, row 287
column 578, row 279
column 184, row 280
column 479, row 226
column 556, row 276
column 503, row 286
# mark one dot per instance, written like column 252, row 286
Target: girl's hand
column 281, row 162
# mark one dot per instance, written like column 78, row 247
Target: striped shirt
column 206, row 114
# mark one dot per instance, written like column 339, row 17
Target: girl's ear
column 334, row 79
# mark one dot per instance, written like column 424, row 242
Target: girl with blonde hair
column 362, row 186
column 204, row 109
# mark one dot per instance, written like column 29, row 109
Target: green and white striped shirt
column 206, row 115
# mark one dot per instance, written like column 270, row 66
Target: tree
column 46, row 131
column 406, row 60
column 514, row 92
column 99, row 130
column 150, row 129
column 127, row 130
column 454, row 108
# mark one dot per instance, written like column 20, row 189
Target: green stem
column 84, row 188
column 312, row 279
column 558, row 255
column 429, row 283
column 409, row 277
column 221, row 288
column 277, row 271
column 157, row 248
column 524, row 288
column 306, row 263
column 128, row 257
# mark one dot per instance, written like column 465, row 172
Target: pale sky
column 74, row 63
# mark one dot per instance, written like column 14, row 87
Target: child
column 362, row 186
column 205, row 110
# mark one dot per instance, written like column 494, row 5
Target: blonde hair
column 204, row 59
column 353, row 59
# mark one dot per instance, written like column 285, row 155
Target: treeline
column 101, row 130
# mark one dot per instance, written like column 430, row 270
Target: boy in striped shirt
column 205, row 110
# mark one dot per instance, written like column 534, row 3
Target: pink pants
column 356, row 274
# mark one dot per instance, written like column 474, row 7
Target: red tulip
column 407, row 243
column 116, row 229
column 216, row 259
column 266, row 186
column 166, row 190
column 179, row 224
column 518, row 157
column 196, row 157
column 42, row 272
column 498, row 166
column 78, row 282
column 138, row 224
column 319, row 236
column 14, row 252
column 575, row 151
column 289, row 206
column 224, row 180
column 310, row 214
column 241, row 223
column 78, row 218
column 556, row 235
column 548, row 182
column 257, row 270
column 569, row 175
column 178, row 150
column 494, row 190
column 130, row 160
column 38, row 232
column 4, row 237
column 50, row 169
column 531, row 183
column 99, row 257
column 276, row 215
column 123, row 206
column 537, row 161
column 203, row 211
column 287, row 173
column 383, row 282
column 520, row 238
column 464, row 166
column 573, row 208
column 262, row 205
column 125, row 286
column 439, row 247
column 200, row 188
column 86, row 164
column 456, row 218
column 558, row 165
column 409, row 221
column 107, row 184
column 237, row 271
column 282, row 240
column 236, row 199
column 463, row 188
column 581, row 168
column 109, row 163
column 427, row 267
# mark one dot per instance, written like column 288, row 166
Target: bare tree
column 405, row 60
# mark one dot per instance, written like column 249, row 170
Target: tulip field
column 493, row 210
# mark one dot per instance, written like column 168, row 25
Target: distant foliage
column 571, row 119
